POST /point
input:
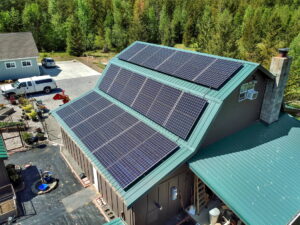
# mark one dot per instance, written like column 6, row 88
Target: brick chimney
column 280, row 67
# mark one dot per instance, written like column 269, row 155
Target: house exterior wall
column 145, row 210
column 235, row 115
column 19, row 71
column 4, row 180
column 105, row 189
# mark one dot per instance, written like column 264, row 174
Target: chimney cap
column 283, row 52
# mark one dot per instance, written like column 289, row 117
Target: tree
column 293, row 88
column 10, row 21
column 75, row 42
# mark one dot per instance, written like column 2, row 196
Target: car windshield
column 16, row 84
column 50, row 60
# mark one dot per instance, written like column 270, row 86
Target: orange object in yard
column 62, row 96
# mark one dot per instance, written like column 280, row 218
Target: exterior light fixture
column 174, row 193
column 159, row 206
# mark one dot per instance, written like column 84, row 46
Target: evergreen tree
column 75, row 42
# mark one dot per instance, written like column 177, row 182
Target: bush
column 28, row 108
column 10, row 124
column 32, row 114
column 26, row 137
column 23, row 101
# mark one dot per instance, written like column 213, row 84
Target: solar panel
column 139, row 161
column 65, row 112
column 193, row 67
column 142, row 103
column 111, row 73
column 196, row 68
column 73, row 119
column 151, row 88
column 144, row 54
column 91, row 97
column 124, row 145
column 185, row 115
column 168, row 95
column 82, row 129
column 159, row 112
column 93, row 140
column 218, row 73
column 158, row 58
column 174, row 62
column 87, row 111
column 131, row 51
column 125, row 120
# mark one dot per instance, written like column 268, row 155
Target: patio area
column 51, row 208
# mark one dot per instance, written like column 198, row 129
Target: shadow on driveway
column 53, row 72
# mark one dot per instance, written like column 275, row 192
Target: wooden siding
column 145, row 210
column 105, row 189
column 235, row 115
column 19, row 71
column 4, row 180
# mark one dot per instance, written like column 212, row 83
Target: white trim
column 10, row 68
column 26, row 61
column 30, row 57
column 95, row 175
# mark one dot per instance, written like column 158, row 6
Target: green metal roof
column 256, row 171
column 117, row 221
column 3, row 151
column 187, row 148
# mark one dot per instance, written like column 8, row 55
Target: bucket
column 213, row 216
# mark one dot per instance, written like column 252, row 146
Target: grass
column 57, row 56
column 182, row 46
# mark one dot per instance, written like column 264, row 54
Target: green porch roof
column 256, row 171
column 187, row 148
column 117, row 221
column 3, row 151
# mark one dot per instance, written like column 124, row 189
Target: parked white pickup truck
column 29, row 85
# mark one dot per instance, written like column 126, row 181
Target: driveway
column 69, row 70
column 53, row 208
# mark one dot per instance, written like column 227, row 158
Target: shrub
column 27, row 108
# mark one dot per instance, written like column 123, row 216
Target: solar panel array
column 125, row 146
column 171, row 108
column 200, row 69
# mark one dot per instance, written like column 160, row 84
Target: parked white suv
column 29, row 85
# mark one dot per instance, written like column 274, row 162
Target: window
column 26, row 63
column 29, row 84
column 10, row 65
column 23, row 84
column 247, row 91
column 43, row 81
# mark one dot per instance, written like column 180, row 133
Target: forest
column 245, row 29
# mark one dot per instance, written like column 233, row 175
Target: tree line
column 246, row 29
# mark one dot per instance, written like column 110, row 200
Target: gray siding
column 235, row 115
column 19, row 71
column 105, row 189
column 145, row 210
column 3, row 174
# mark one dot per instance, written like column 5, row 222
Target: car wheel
column 47, row 90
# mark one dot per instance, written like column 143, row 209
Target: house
column 166, row 128
column 8, row 205
column 18, row 56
